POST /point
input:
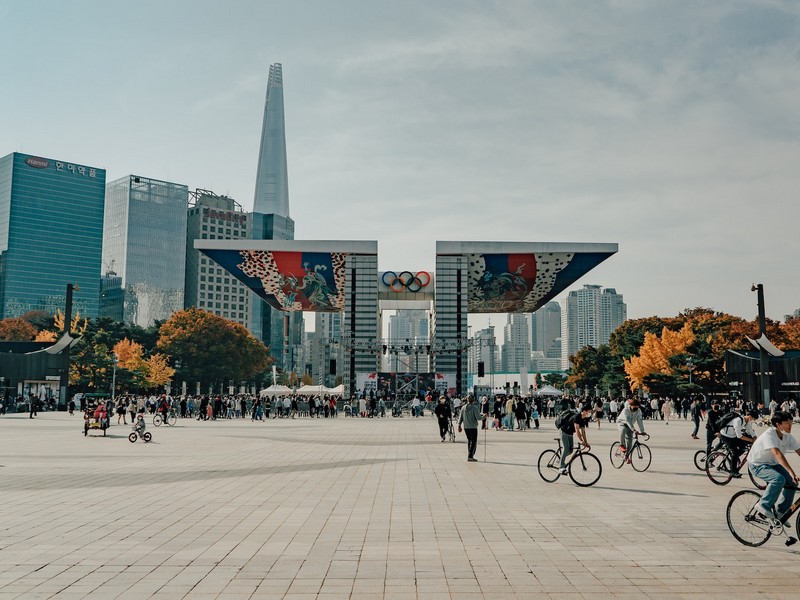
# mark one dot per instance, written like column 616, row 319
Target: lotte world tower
column 282, row 332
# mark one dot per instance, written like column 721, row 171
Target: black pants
column 442, row 427
column 737, row 447
column 472, row 442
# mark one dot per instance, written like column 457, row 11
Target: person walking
column 443, row 416
column 666, row 410
column 696, row 413
column 468, row 420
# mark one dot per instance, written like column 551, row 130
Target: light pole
column 690, row 366
column 762, row 352
column 114, row 360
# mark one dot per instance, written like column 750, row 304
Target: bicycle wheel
column 451, row 431
column 759, row 483
column 617, row 456
column 548, row 465
column 743, row 520
column 641, row 457
column 157, row 420
column 700, row 459
column 172, row 419
column 717, row 468
column 585, row 469
column 132, row 437
column 147, row 436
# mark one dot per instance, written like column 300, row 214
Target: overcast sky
column 670, row 128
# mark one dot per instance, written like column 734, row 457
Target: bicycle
column 638, row 455
column 718, row 468
column 701, row 456
column 583, row 467
column 451, row 432
column 172, row 418
column 749, row 527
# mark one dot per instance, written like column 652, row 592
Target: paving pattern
column 360, row 509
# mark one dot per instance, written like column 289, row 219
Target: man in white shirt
column 767, row 461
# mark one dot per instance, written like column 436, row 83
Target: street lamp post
column 114, row 360
column 690, row 366
column 762, row 353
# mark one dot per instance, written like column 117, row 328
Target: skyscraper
column 588, row 318
column 546, row 330
column 516, row 353
column 144, row 241
column 272, row 178
column 281, row 332
column 51, row 234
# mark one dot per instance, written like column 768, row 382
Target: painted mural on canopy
column 523, row 282
column 289, row 281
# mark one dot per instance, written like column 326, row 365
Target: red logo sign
column 37, row 163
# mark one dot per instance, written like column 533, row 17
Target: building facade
column 51, row 234
column 546, row 331
column 144, row 241
column 516, row 353
column 588, row 318
column 272, row 177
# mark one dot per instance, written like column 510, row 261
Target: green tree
column 210, row 348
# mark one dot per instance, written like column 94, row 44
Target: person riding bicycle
column 574, row 424
column 737, row 435
column 443, row 416
column 767, row 461
column 139, row 425
column 163, row 407
column 628, row 421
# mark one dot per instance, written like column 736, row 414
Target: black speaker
column 481, row 371
column 332, row 367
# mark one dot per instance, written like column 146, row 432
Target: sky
column 670, row 128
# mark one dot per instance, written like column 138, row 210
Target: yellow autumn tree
column 157, row 371
column 129, row 355
column 45, row 336
column 77, row 326
column 655, row 353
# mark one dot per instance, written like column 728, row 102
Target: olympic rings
column 406, row 281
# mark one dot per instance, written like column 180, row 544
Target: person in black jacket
column 443, row 416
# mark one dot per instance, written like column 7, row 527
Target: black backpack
column 563, row 418
column 725, row 420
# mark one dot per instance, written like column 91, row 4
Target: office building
column 588, row 318
column 207, row 285
column 272, row 178
column 51, row 234
column 546, row 331
column 516, row 351
column 144, row 241
column 483, row 349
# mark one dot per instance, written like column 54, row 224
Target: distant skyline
column 669, row 128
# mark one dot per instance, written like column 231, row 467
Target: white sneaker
column 563, row 471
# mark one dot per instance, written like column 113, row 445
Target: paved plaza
column 363, row 509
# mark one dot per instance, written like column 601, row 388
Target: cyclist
column 767, row 461
column 574, row 424
column 628, row 421
column 163, row 407
column 737, row 435
column 712, row 416
column 443, row 416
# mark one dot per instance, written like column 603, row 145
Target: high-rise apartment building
column 516, row 353
column 588, row 318
column 51, row 234
column 546, row 331
column 483, row 349
column 326, row 349
column 209, row 286
column 144, row 242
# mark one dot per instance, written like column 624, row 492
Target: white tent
column 276, row 390
column 336, row 391
column 549, row 390
column 312, row 390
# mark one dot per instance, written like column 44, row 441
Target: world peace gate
column 342, row 276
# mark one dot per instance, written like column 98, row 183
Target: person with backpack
column 737, row 433
column 712, row 430
column 571, row 423
column 468, row 420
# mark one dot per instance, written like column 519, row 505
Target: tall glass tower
column 282, row 332
column 51, row 234
column 272, row 178
column 144, row 240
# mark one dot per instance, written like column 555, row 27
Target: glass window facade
column 144, row 240
column 51, row 234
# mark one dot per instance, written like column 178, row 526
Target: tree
column 653, row 361
column 307, row 379
column 16, row 329
column 210, row 348
column 158, row 373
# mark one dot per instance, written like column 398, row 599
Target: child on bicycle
column 139, row 425
column 767, row 461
